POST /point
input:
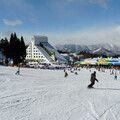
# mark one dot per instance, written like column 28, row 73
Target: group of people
column 113, row 71
column 72, row 71
column 92, row 79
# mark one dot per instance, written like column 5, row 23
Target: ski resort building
column 97, row 61
column 42, row 52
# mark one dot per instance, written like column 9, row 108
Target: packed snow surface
column 47, row 95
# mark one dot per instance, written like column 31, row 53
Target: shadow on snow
column 106, row 89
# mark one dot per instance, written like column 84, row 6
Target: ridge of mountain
column 106, row 49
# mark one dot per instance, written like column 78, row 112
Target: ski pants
column 91, row 85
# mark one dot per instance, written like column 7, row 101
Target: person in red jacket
column 92, row 79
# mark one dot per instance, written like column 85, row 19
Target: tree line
column 14, row 49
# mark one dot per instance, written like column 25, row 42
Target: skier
column 71, row 70
column 65, row 74
column 92, row 79
column 115, row 78
column 18, row 71
column 76, row 73
column 112, row 71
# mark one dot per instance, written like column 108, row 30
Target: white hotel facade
column 42, row 52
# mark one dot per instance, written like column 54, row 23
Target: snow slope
column 46, row 95
column 97, row 50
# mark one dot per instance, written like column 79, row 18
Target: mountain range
column 106, row 49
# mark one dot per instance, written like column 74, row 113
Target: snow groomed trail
column 47, row 95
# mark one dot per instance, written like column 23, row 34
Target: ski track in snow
column 103, row 116
column 46, row 95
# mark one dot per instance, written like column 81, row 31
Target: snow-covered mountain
column 104, row 51
column 97, row 49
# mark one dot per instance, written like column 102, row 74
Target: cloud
column 71, row 0
column 8, row 33
column 19, row 5
column 102, row 3
column 34, row 20
column 117, row 22
column 87, row 37
column 12, row 23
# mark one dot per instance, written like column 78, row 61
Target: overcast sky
column 63, row 21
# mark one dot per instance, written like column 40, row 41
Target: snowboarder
column 65, row 74
column 92, row 79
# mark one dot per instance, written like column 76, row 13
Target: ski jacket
column 66, row 74
column 93, row 78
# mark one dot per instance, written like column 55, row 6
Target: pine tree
column 23, row 49
column 11, row 46
column 15, row 49
column 4, row 45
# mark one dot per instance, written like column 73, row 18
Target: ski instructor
column 92, row 79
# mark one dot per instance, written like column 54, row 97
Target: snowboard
column 90, row 87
